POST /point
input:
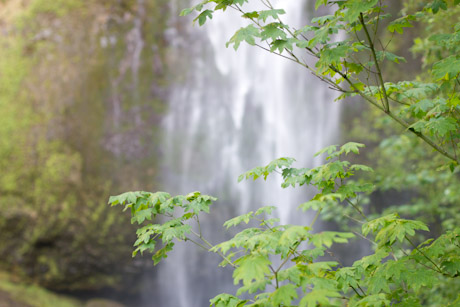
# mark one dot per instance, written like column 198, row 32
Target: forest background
column 80, row 102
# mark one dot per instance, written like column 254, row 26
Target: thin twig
column 315, row 218
column 211, row 246
column 424, row 255
column 357, row 209
column 377, row 66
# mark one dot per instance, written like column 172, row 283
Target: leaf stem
column 356, row 291
column 386, row 106
column 397, row 119
column 315, row 218
column 211, row 246
column 438, row 269
column 196, row 243
column 291, row 252
column 357, row 209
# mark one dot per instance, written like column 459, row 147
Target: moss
column 33, row 295
column 57, row 171
column 57, row 8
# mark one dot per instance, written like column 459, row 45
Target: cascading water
column 233, row 111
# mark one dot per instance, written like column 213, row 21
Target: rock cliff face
column 83, row 89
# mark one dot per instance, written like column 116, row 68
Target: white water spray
column 234, row 111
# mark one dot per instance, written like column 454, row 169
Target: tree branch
column 386, row 104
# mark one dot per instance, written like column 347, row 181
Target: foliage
column 279, row 265
column 405, row 102
column 417, row 172
column 273, row 256
column 30, row 295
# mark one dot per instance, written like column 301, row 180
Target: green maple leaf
column 421, row 107
column 329, row 150
column 142, row 215
column 326, row 238
column 371, row 260
column 396, row 229
column 348, row 276
column 418, row 126
column 374, row 300
column 265, row 210
column 293, row 274
column 247, row 34
column 251, row 15
column 294, row 234
column 436, row 5
column 393, row 269
column 271, row 13
column 239, row 219
column 364, row 168
column 410, row 302
column 419, row 278
column 203, row 16
column 447, row 68
column 318, row 297
column 239, row 2
column 323, row 283
column 318, row 3
column 143, row 247
column 273, row 31
column 351, row 147
column 320, row 267
column 452, row 266
column 187, row 11
column 400, row 23
column 143, row 238
column 128, row 198
column 355, row 7
column 378, row 283
column 332, row 56
column 199, row 205
column 160, row 197
column 281, row 163
column 226, row 300
column 284, row 295
column 280, row 45
column 251, row 267
column 162, row 253
column 390, row 56
column 253, row 287
column 312, row 204
column 442, row 125
column 178, row 232
column 321, row 20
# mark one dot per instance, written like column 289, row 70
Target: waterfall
column 229, row 112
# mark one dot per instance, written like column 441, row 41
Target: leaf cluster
column 146, row 206
column 282, row 265
column 429, row 110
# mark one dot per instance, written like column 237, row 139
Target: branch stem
column 438, row 269
column 386, row 105
column 211, row 246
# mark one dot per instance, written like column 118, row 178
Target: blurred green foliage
column 30, row 295
column 412, row 176
column 411, row 179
